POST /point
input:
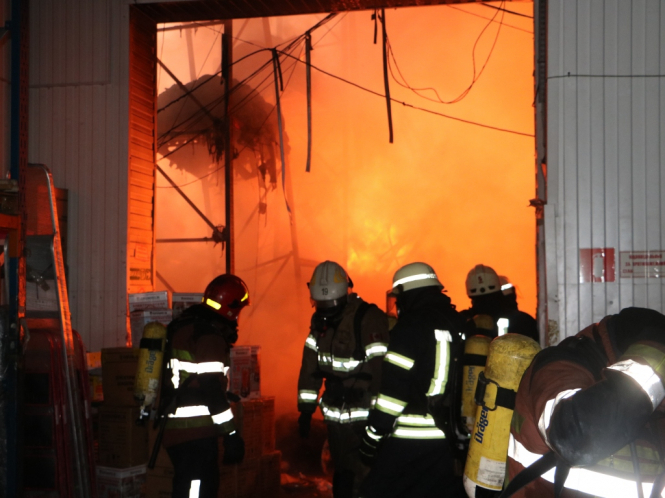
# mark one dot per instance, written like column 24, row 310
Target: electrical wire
column 506, row 10
column 486, row 18
column 474, row 79
column 406, row 104
column 289, row 44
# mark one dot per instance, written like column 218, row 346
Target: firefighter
column 519, row 322
column 409, row 454
column 194, row 403
column 484, row 288
column 345, row 347
column 592, row 406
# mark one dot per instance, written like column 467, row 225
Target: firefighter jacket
column 592, row 402
column 416, row 367
column 498, row 307
column 194, row 381
column 351, row 371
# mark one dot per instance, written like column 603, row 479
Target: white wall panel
column 78, row 127
column 605, row 162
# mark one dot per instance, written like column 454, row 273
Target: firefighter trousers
column 344, row 440
column 195, row 460
column 413, row 468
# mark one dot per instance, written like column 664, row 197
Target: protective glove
column 304, row 424
column 234, row 449
column 369, row 446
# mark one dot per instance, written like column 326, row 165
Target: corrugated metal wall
column 79, row 128
column 604, row 214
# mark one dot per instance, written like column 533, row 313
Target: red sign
column 597, row 265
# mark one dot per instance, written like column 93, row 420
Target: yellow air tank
column 151, row 354
column 509, row 356
column 476, row 348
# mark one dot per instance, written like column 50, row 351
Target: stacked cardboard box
column 245, row 372
column 120, row 483
column 122, row 444
column 258, row 476
column 145, row 308
column 181, row 301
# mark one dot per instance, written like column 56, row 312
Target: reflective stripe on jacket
column 416, row 367
column 329, row 354
column 199, row 362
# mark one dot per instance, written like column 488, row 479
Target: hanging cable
column 406, row 104
column 308, row 73
column 386, row 80
column 280, row 84
column 476, row 76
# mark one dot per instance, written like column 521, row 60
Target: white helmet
column 506, row 287
column 482, row 280
column 329, row 284
column 414, row 276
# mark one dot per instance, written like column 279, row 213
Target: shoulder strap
column 359, row 351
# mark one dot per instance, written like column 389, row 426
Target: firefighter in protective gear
column 483, row 287
column 519, row 322
column 194, row 384
column 409, row 454
column 592, row 405
column 345, row 347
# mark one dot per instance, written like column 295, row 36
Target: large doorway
column 453, row 188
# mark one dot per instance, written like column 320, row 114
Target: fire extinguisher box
column 245, row 372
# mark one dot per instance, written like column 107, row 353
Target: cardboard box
column 245, row 372
column 119, row 367
column 122, row 443
column 139, row 319
column 254, row 420
column 158, row 486
column 181, row 301
column 120, row 483
column 118, row 374
column 149, row 301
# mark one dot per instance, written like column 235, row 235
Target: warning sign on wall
column 642, row 264
column 597, row 264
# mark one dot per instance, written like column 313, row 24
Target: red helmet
column 227, row 295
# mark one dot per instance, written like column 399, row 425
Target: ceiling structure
column 207, row 10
